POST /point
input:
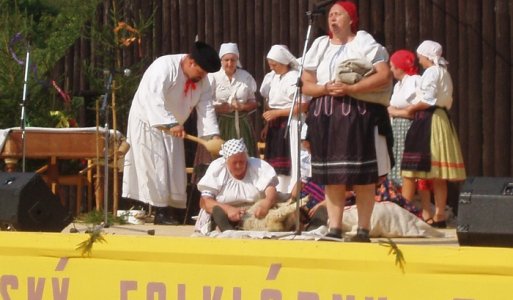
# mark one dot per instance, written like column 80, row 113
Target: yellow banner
column 47, row 266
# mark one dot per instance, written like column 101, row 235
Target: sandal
column 429, row 221
column 439, row 224
column 436, row 224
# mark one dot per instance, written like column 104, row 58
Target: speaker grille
column 27, row 204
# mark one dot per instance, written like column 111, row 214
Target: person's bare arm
column 175, row 131
column 223, row 108
column 276, row 113
column 416, row 107
column 310, row 86
column 271, row 196
column 381, row 78
column 399, row 112
column 246, row 106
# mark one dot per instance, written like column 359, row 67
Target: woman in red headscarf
column 405, row 71
column 347, row 135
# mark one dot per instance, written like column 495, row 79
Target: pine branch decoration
column 394, row 249
column 95, row 235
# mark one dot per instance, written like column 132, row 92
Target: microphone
column 322, row 6
column 126, row 72
column 108, row 83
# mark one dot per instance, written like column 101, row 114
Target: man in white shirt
column 171, row 87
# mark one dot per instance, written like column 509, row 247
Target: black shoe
column 163, row 218
column 176, row 213
column 436, row 224
column 362, row 236
column 221, row 219
column 333, row 235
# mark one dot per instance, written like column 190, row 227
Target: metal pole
column 297, row 102
column 24, row 98
column 105, row 111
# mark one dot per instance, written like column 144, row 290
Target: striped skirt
column 342, row 135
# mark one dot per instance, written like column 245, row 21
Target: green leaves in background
column 48, row 28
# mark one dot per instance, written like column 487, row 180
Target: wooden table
column 56, row 144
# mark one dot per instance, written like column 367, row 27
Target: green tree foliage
column 48, row 28
column 109, row 53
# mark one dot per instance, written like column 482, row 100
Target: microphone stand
column 104, row 110
column 297, row 103
column 22, row 104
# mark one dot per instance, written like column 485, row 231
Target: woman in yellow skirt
column 432, row 149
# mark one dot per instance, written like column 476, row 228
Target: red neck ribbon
column 189, row 84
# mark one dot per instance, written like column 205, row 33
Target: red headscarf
column 405, row 60
column 351, row 10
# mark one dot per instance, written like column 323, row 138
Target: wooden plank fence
column 476, row 36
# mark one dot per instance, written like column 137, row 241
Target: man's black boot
column 319, row 218
column 162, row 217
column 221, row 219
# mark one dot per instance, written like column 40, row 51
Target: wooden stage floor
column 450, row 238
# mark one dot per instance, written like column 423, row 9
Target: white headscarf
column 230, row 48
column 233, row 146
column 281, row 54
column 433, row 51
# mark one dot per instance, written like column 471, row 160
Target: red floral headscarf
column 405, row 60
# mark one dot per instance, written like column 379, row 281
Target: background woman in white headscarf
column 281, row 152
column 432, row 149
column 234, row 98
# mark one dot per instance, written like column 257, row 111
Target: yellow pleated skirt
column 446, row 158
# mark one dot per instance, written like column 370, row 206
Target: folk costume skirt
column 446, row 158
column 277, row 146
column 346, row 140
column 228, row 130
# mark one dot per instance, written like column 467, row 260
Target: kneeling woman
column 231, row 184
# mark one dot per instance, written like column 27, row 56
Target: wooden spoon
column 213, row 145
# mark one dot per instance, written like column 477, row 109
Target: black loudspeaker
column 485, row 212
column 27, row 204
